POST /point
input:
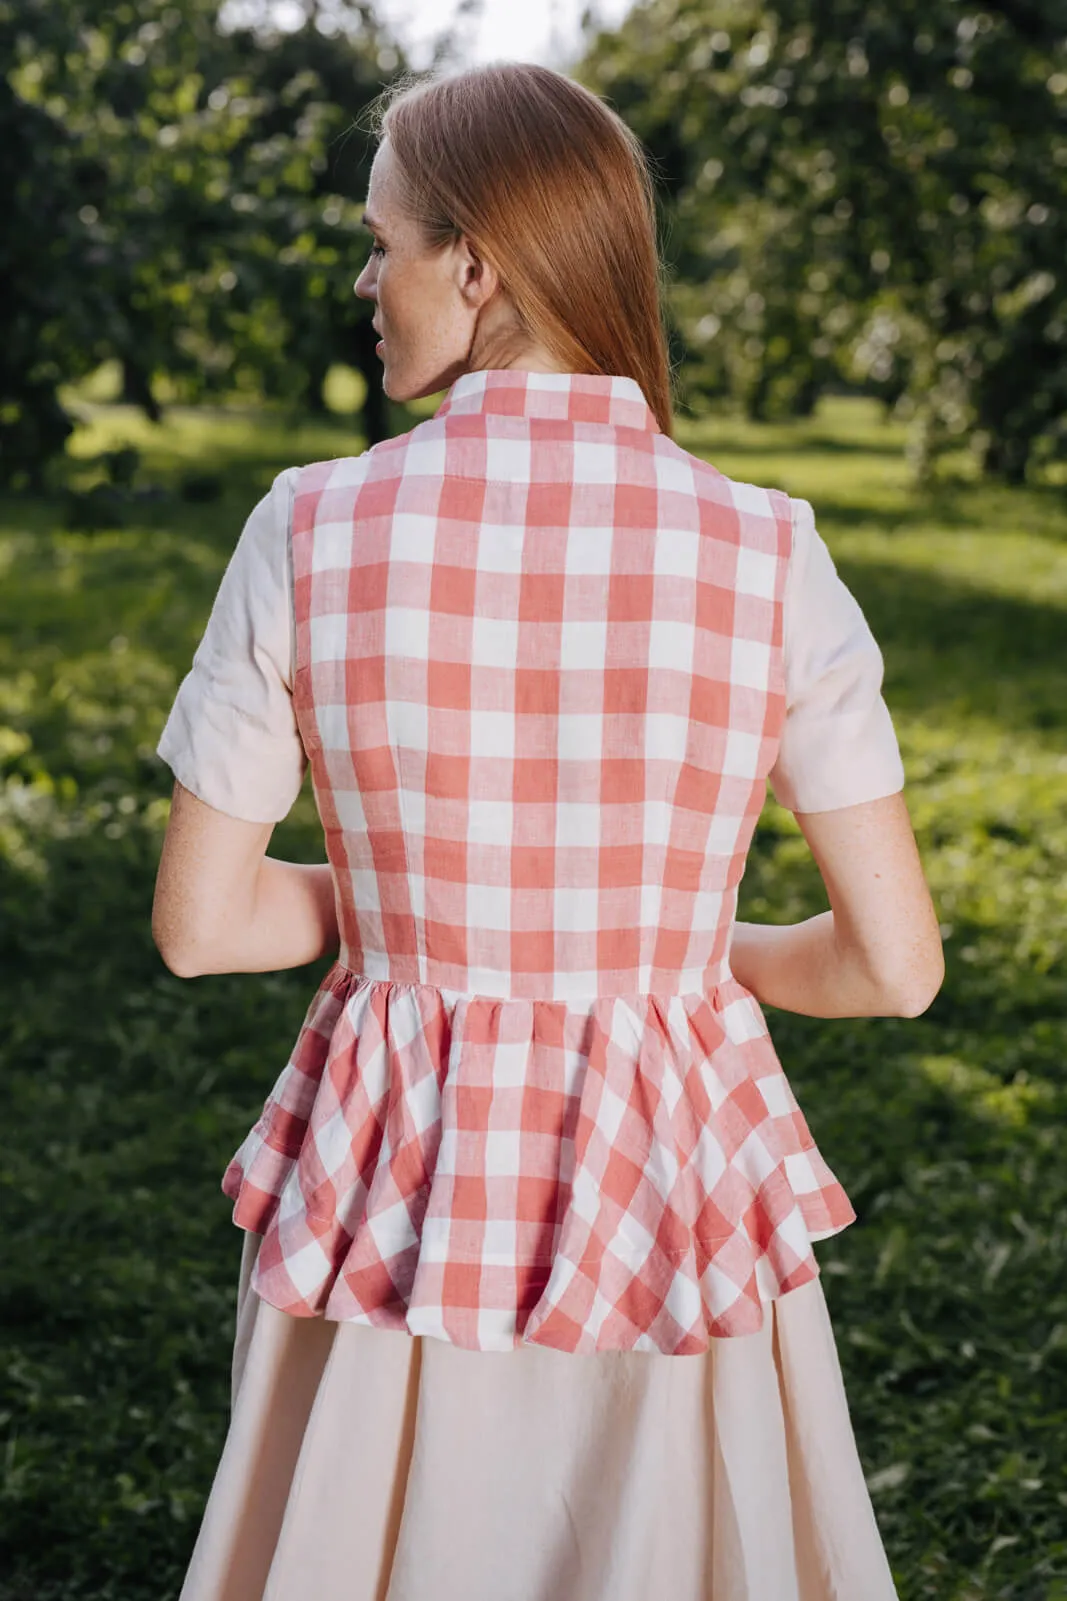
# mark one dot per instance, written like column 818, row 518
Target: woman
column 542, row 663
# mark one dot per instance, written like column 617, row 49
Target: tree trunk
column 807, row 398
column 315, row 396
column 758, row 398
column 1008, row 459
column 137, row 389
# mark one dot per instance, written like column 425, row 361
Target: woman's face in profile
column 424, row 308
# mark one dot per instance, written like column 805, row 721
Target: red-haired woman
column 528, row 1308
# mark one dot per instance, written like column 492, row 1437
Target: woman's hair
column 554, row 190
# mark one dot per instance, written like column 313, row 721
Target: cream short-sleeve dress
column 366, row 1465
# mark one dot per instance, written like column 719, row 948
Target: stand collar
column 560, row 396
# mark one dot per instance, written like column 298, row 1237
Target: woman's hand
column 223, row 906
column 877, row 952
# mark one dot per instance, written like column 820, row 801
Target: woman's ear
column 477, row 279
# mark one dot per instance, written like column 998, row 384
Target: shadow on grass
column 957, row 506
column 124, row 1092
column 129, row 1089
column 949, row 645
column 713, row 438
column 915, row 512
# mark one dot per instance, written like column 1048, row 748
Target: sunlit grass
column 129, row 1089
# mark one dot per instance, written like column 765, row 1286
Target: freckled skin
column 441, row 313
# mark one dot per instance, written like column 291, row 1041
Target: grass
column 125, row 1090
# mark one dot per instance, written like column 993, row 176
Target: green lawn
column 125, row 1090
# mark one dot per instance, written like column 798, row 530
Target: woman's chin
column 402, row 387
column 397, row 385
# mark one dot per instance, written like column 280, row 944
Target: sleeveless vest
column 539, row 680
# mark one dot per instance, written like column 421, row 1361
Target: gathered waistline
column 342, row 975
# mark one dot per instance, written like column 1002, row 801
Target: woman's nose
column 366, row 286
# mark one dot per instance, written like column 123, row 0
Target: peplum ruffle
column 630, row 1172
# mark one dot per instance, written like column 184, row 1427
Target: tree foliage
column 874, row 193
column 869, row 191
column 181, row 197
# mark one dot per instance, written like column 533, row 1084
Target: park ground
column 125, row 1090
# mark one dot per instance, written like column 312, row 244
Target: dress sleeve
column 838, row 746
column 231, row 736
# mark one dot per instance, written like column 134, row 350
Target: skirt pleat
column 363, row 1464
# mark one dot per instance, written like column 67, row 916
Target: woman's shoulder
column 380, row 460
column 709, row 482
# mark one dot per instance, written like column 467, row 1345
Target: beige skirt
column 366, row 1465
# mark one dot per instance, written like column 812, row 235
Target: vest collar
column 561, row 396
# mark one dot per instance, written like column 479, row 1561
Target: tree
column 307, row 169
column 872, row 191
column 179, row 197
column 44, row 261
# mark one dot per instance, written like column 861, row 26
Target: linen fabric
column 232, row 738
column 540, row 677
column 360, row 1466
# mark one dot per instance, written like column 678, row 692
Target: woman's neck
column 501, row 344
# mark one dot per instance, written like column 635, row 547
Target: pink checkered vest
column 539, row 678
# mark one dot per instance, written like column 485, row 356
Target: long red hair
column 550, row 186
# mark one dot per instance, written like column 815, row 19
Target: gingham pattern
column 539, row 678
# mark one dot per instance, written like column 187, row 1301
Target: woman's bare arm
column 877, row 952
column 223, row 906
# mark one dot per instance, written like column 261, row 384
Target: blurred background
column 864, row 220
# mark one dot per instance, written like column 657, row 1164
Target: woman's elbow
column 182, row 955
column 915, row 991
column 182, row 965
column 179, row 959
